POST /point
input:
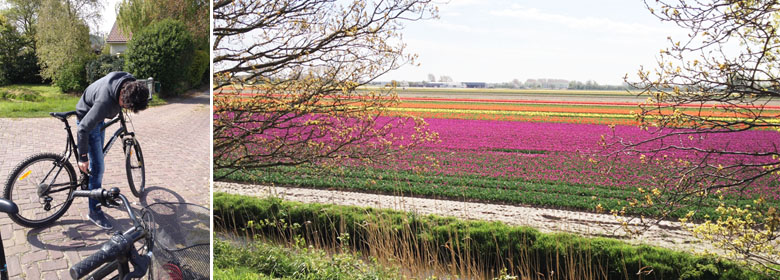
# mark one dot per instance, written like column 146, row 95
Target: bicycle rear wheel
column 41, row 186
column 134, row 165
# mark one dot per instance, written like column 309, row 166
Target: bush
column 199, row 68
column 161, row 51
column 102, row 65
column 72, row 78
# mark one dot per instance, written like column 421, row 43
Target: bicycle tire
column 135, row 167
column 28, row 205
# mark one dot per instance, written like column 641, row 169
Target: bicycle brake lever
column 107, row 198
column 140, row 265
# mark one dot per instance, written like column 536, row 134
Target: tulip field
column 541, row 153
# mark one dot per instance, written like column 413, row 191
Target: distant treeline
column 515, row 84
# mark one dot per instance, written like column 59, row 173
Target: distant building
column 117, row 40
column 475, row 84
column 434, row 84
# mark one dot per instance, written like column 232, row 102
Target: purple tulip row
column 574, row 154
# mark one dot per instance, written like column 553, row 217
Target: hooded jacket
column 100, row 101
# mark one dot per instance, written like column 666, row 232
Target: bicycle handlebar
column 119, row 244
column 112, row 249
column 106, row 197
column 109, row 198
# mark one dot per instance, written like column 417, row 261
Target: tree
column 286, row 79
column 431, row 77
column 24, row 68
column 135, row 15
column 17, row 60
column 727, row 65
column 62, row 41
column 445, row 79
column 23, row 14
column 516, row 83
column 8, row 37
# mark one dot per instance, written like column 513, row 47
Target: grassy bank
column 468, row 248
column 265, row 260
column 35, row 101
column 26, row 101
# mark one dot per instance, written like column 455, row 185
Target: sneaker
column 99, row 218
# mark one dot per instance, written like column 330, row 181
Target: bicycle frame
column 120, row 132
column 72, row 148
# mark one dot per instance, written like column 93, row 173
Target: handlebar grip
column 96, row 193
column 104, row 196
column 112, row 249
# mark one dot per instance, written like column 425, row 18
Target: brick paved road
column 175, row 142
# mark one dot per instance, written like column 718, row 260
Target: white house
column 117, row 40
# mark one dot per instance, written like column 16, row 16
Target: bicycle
column 187, row 258
column 46, row 181
column 119, row 252
column 6, row 206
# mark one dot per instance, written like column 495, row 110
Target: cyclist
column 103, row 99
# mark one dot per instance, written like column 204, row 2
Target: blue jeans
column 96, row 163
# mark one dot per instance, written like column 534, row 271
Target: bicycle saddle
column 62, row 115
column 7, row 206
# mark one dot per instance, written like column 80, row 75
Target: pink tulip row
column 574, row 154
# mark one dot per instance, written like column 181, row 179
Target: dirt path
column 668, row 234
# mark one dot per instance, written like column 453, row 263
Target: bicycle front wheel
column 41, row 186
column 134, row 165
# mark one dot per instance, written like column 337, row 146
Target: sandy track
column 667, row 234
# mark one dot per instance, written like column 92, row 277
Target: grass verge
column 265, row 260
column 471, row 249
column 36, row 101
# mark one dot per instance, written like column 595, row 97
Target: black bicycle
column 178, row 248
column 42, row 185
column 6, row 206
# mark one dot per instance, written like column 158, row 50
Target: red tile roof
column 117, row 36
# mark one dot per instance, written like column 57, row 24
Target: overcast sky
column 500, row 40
column 108, row 16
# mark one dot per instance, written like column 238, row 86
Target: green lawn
column 35, row 101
